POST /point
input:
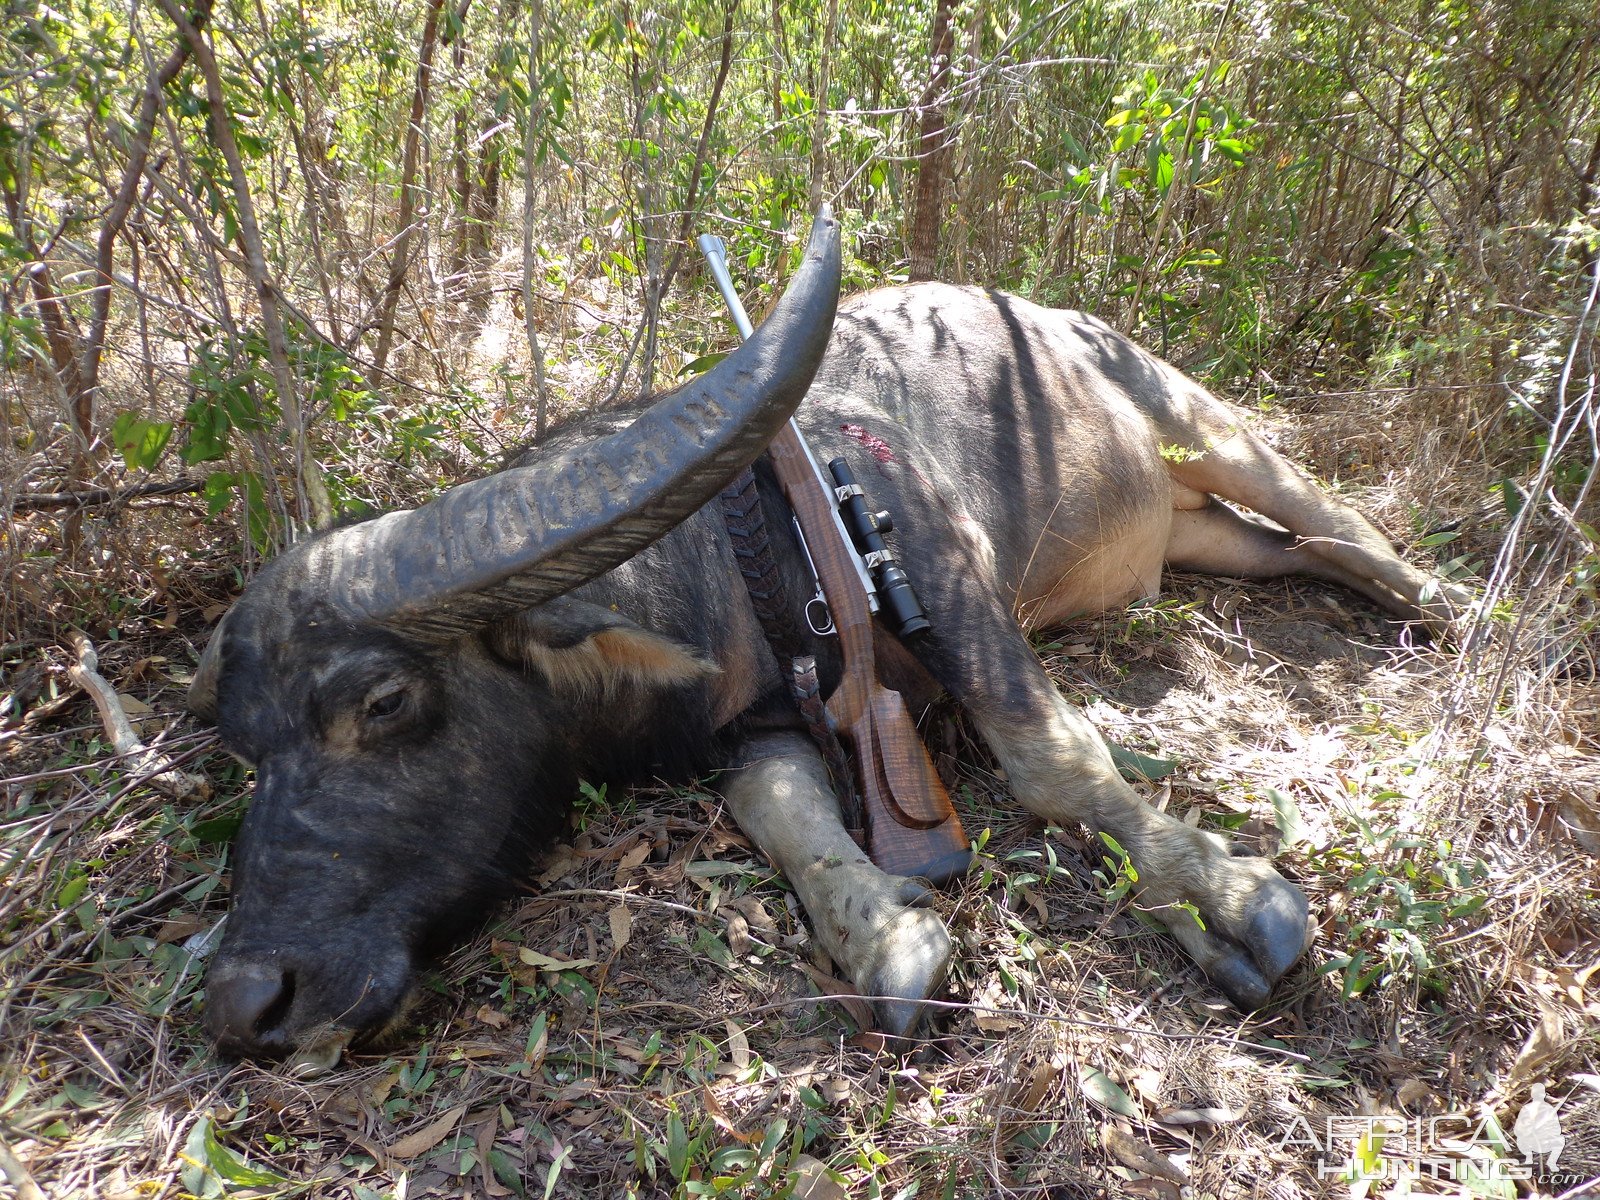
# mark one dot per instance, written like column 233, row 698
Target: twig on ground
column 18, row 1174
column 124, row 739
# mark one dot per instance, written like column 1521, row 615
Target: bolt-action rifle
column 911, row 827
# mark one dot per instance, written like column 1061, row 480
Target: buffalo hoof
column 1250, row 935
column 880, row 931
column 912, row 956
column 1445, row 611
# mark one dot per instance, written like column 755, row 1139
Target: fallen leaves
column 989, row 1003
column 1545, row 1042
column 738, row 1045
column 420, row 1141
column 621, row 922
column 1099, row 1088
column 1139, row 1155
column 548, row 962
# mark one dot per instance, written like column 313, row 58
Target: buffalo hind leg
column 1215, row 540
column 1230, row 462
column 876, row 927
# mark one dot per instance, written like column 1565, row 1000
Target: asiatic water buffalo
column 420, row 693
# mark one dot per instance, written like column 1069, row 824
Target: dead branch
column 122, row 204
column 125, row 740
column 17, row 1173
column 313, row 497
column 96, row 497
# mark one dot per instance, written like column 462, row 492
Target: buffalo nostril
column 245, row 1005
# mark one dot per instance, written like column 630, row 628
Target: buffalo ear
column 585, row 650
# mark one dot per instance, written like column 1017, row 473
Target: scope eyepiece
column 896, row 597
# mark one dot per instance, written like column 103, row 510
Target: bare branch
column 125, row 740
column 313, row 498
column 122, row 205
column 95, row 497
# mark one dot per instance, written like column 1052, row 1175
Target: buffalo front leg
column 1243, row 923
column 875, row 926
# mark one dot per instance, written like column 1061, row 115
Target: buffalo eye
column 385, row 702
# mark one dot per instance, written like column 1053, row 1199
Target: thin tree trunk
column 648, row 221
column 209, row 254
column 58, row 334
column 408, row 186
column 819, row 104
column 61, row 337
column 702, row 147
column 933, row 150
column 309, row 492
column 88, row 381
column 484, row 209
column 530, row 146
column 660, row 276
column 461, row 162
column 780, row 63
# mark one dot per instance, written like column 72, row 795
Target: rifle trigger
column 821, row 625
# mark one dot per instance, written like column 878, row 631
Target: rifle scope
column 898, row 601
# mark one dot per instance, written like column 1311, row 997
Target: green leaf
column 1097, row 1087
column 140, row 442
column 19, row 1092
column 258, row 517
column 72, row 891
column 1133, row 765
column 536, row 1035
column 1231, row 149
column 218, row 491
column 208, row 431
column 1036, row 1137
column 677, row 1146
column 702, row 364
column 231, row 1167
column 1287, row 814
column 218, row 831
column 1163, row 172
column 210, row 1166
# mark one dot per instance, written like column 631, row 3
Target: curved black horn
column 504, row 543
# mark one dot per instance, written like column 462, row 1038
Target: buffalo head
column 361, row 671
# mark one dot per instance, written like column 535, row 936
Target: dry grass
column 1080, row 1054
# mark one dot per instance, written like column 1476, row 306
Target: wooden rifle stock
column 911, row 827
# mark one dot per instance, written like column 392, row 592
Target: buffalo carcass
column 420, row 693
